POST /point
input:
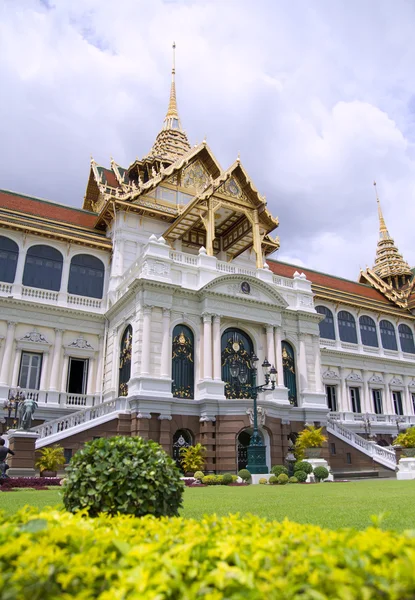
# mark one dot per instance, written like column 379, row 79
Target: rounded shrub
column 282, row 479
column 273, row 480
column 263, row 481
column 234, row 478
column 303, row 465
column 244, row 474
column 127, row 475
column 209, row 480
column 320, row 473
column 199, row 475
column 227, row 478
column 278, row 469
column 293, row 480
column 301, row 476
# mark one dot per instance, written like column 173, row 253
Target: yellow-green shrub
column 50, row 555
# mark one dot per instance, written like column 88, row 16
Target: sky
column 317, row 97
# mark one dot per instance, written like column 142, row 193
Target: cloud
column 317, row 97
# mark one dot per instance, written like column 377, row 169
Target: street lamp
column 240, row 371
column 367, row 424
column 16, row 396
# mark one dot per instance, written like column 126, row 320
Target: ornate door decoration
column 236, row 346
column 125, row 361
column 288, row 363
column 182, row 362
column 181, row 439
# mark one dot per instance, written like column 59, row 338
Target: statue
column 27, row 408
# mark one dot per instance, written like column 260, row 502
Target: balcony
column 63, row 299
column 62, row 399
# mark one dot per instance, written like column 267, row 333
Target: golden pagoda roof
column 388, row 262
column 171, row 143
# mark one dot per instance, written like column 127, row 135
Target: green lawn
column 330, row 505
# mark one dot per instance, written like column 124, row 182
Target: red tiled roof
column 46, row 209
column 328, row 281
column 111, row 179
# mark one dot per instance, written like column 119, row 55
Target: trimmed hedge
column 278, row 469
column 39, row 483
column 51, row 554
column 303, row 465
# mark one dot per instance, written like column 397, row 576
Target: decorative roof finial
column 382, row 225
column 172, row 117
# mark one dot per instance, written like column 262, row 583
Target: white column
column 18, row 278
column 270, row 343
column 217, row 366
column 43, row 375
column 344, row 404
column 367, row 405
column 64, row 374
column 336, row 329
column 145, row 348
column 207, row 339
column 16, row 364
column 115, row 359
column 278, row 357
column 91, row 375
column 99, row 376
column 65, row 277
column 56, row 359
column 166, row 345
column 317, row 364
column 303, row 363
column 407, row 403
column 8, row 350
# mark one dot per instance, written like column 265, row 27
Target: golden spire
column 171, row 143
column 389, row 264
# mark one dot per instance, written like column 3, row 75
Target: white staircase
column 380, row 454
column 54, row 431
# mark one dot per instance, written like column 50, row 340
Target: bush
column 244, row 474
column 192, row 458
column 199, row 475
column 301, row 476
column 126, row 475
column 406, row 439
column 263, row 481
column 273, row 480
column 282, row 479
column 37, row 483
column 320, row 473
column 303, row 465
column 124, row 557
column 212, row 480
column 50, row 459
column 278, row 469
column 234, row 478
column 227, row 478
column 293, row 480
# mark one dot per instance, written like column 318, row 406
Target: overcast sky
column 317, row 96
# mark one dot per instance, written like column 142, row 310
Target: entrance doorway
column 242, row 444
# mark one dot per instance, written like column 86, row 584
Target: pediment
column 244, row 288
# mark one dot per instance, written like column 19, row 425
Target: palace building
column 125, row 316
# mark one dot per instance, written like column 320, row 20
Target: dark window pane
column 43, row 268
column 407, row 339
column 388, row 336
column 86, row 276
column 326, row 326
column 9, row 252
column 368, row 332
column 347, row 327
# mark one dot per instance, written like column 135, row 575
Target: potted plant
column 310, row 441
column 406, row 440
column 50, row 460
column 192, row 458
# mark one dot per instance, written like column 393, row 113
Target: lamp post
column 16, row 396
column 368, row 426
column 239, row 370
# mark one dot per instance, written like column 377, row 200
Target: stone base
column 318, row 462
column 406, row 469
column 21, row 472
column 255, row 478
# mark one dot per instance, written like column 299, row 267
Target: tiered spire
column 171, row 143
column 389, row 264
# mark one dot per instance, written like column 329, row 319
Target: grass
column 331, row 505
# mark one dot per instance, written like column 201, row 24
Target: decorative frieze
column 330, row 374
column 261, row 415
column 354, row 377
column 34, row 336
column 81, row 343
column 396, row 381
column 376, row 379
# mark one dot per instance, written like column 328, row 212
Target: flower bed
column 38, row 483
column 54, row 554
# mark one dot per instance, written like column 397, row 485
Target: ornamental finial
column 382, row 224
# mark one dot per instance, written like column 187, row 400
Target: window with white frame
column 413, row 402
column 397, row 403
column 377, row 401
column 331, row 395
column 77, row 376
column 355, row 399
column 30, row 369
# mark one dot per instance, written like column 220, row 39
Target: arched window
column 407, row 339
column 290, row 378
column 183, row 438
column 388, row 335
column 86, row 276
column 237, row 348
column 326, row 326
column 125, row 361
column 43, row 268
column 183, row 362
column 9, row 253
column 347, row 327
column 368, row 331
